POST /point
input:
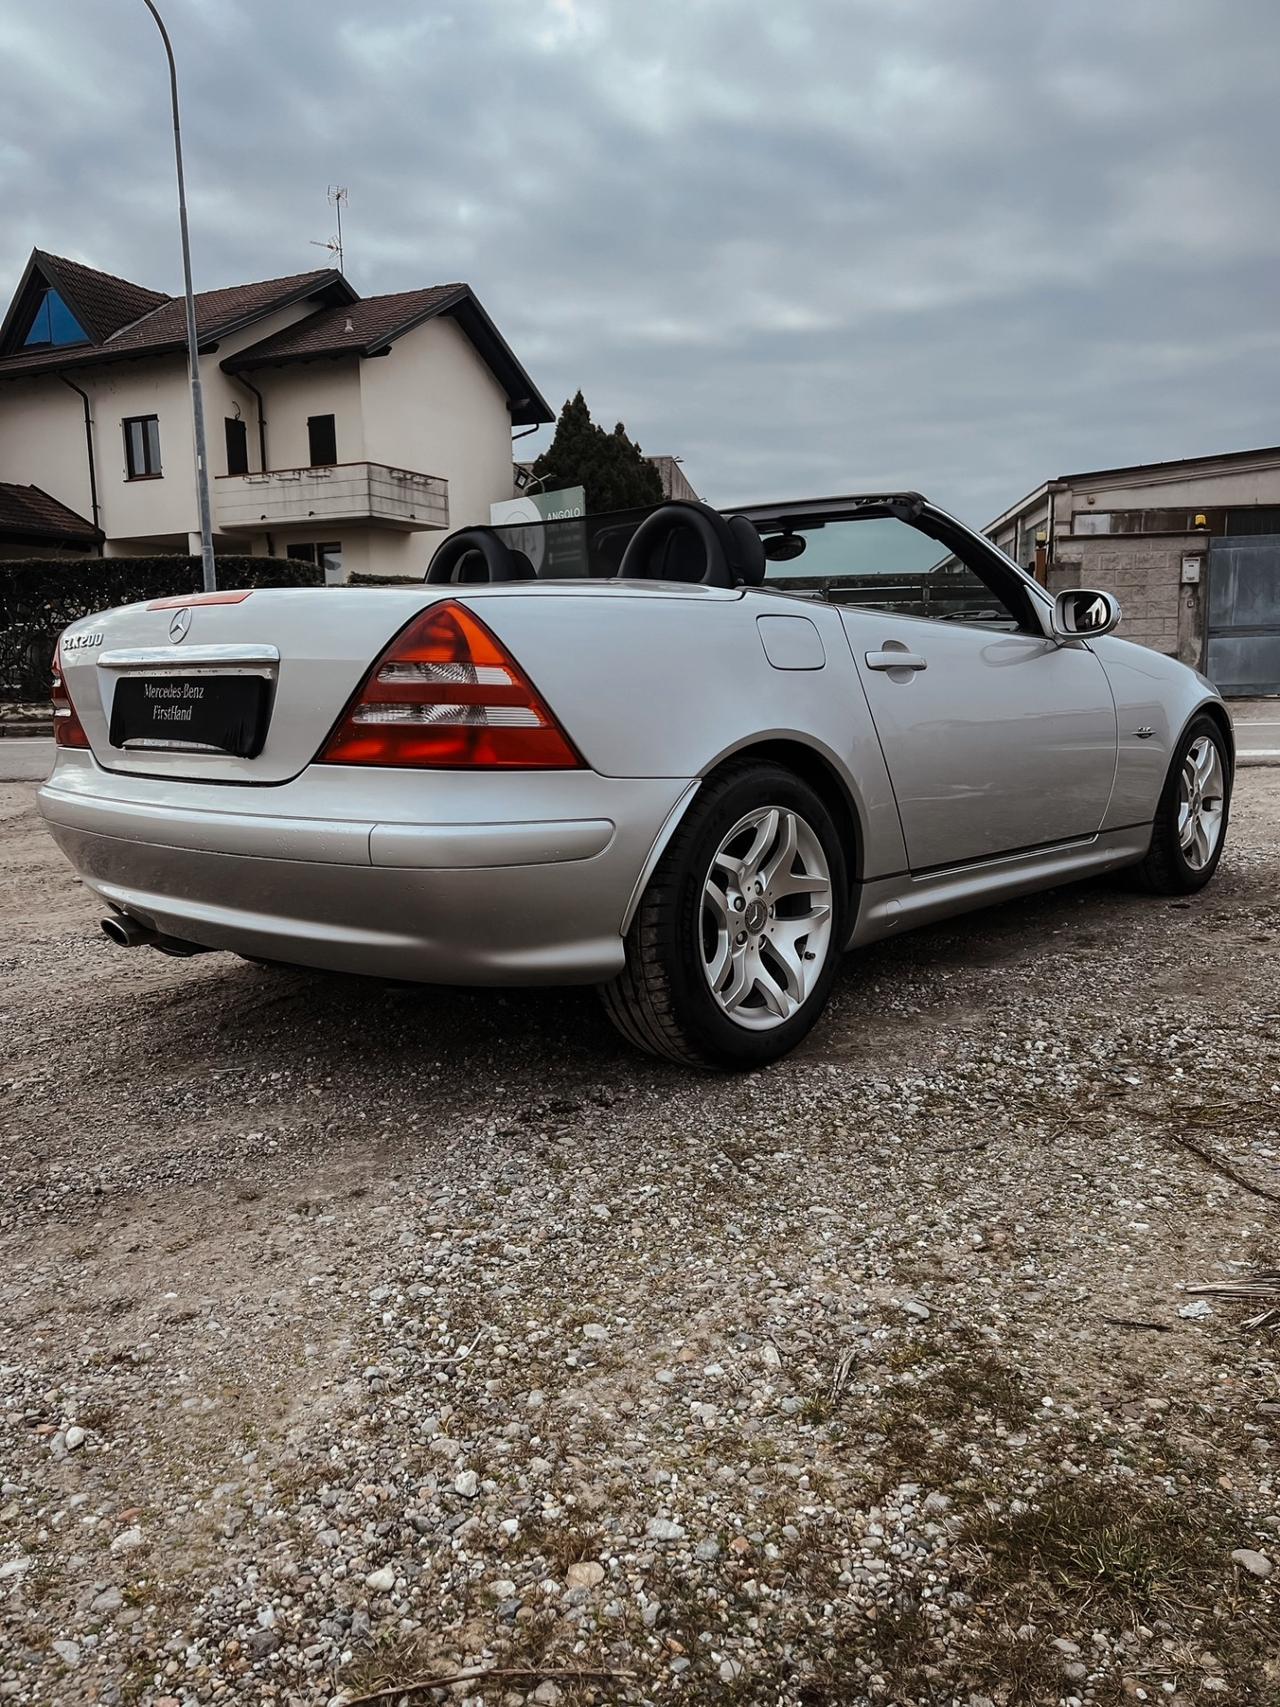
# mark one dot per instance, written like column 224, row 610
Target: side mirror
column 1079, row 614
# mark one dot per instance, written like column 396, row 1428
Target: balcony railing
column 368, row 492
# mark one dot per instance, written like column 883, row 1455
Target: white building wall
column 42, row 439
column 433, row 406
column 42, row 443
column 291, row 394
column 134, row 508
column 225, row 393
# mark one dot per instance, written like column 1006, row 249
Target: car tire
column 1190, row 828
column 736, row 941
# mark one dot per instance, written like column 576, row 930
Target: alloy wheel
column 1201, row 800
column 766, row 917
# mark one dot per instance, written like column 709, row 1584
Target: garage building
column 1191, row 549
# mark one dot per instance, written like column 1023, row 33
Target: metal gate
column 1244, row 614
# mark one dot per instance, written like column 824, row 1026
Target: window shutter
column 323, row 436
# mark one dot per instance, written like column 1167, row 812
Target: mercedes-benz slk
column 693, row 774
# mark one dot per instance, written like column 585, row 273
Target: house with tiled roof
column 346, row 430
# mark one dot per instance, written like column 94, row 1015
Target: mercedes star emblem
column 180, row 623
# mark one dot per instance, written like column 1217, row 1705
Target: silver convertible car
column 689, row 758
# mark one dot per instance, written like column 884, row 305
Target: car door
column 994, row 741
column 996, row 737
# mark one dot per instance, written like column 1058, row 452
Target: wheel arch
column 824, row 779
column 1215, row 709
column 1165, row 869
column 811, row 766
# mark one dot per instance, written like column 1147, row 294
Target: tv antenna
column 337, row 201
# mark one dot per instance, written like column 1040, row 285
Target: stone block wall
column 1143, row 574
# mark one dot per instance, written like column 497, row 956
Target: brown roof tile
column 101, row 302
column 217, row 311
column 342, row 324
column 162, row 327
column 367, row 327
column 29, row 513
column 356, row 328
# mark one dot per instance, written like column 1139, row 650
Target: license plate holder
column 201, row 712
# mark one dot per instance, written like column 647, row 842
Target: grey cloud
column 956, row 244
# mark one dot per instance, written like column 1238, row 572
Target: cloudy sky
column 811, row 246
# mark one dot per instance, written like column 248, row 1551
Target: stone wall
column 1144, row 574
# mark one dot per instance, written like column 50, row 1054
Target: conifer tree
column 609, row 466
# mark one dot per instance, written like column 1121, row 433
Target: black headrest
column 749, row 563
column 477, row 554
column 681, row 542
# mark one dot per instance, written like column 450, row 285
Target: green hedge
column 39, row 596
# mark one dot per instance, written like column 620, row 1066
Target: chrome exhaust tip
column 126, row 932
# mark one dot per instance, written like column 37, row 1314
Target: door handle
column 893, row 659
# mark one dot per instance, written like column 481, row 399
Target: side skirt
column 889, row 905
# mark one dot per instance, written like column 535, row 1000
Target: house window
column 322, row 435
column 237, row 446
column 1258, row 518
column 326, row 555
column 142, row 446
column 53, row 324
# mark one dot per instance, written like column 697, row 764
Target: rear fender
column 818, row 769
column 649, row 680
column 670, row 824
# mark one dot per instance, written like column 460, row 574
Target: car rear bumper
column 443, row 877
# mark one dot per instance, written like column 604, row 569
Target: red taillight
column 446, row 694
column 68, row 731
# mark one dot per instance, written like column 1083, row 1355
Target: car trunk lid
column 164, row 688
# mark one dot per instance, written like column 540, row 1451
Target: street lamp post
column 193, row 350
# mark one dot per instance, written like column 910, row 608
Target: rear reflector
column 444, row 695
column 181, row 599
column 67, row 728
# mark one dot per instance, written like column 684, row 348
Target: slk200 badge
column 77, row 642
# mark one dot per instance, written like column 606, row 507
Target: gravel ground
column 351, row 1335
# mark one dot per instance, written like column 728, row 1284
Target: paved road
column 1257, row 741
column 25, row 761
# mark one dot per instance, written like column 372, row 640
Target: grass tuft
column 1104, row 1547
